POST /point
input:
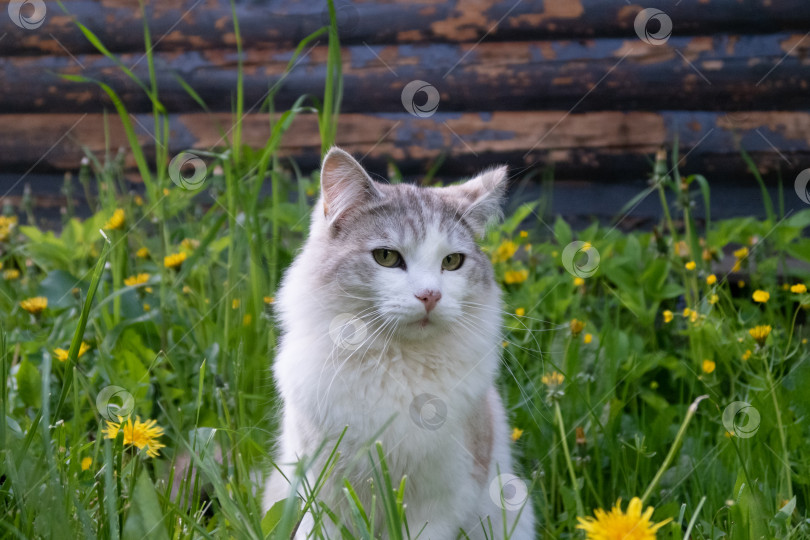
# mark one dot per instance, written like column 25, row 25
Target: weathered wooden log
column 578, row 201
column 700, row 73
column 605, row 145
column 181, row 24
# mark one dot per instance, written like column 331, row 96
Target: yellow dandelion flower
column 139, row 434
column 35, row 305
column 785, row 286
column 174, row 260
column 142, row 253
column 617, row 525
column 761, row 296
column 236, row 303
column 505, row 251
column 741, row 284
column 555, row 254
column 746, row 355
column 690, row 265
column 247, row 319
column 760, row 333
column 520, row 312
column 116, row 221
column 11, row 274
column 516, row 434
column 682, row 249
column 553, row 379
column 587, row 338
column 576, row 326
column 138, row 200
column 579, row 282
column 147, row 307
column 166, row 192
column 62, row 354
column 741, row 253
column 693, row 316
column 186, row 289
column 713, row 299
column 667, row 316
column 134, row 281
column 524, row 234
column 515, row 276
column 736, row 267
column 708, row 366
column 799, row 288
column 7, row 224
column 190, row 244
column 711, row 279
column 269, row 299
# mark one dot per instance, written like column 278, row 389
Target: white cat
column 391, row 321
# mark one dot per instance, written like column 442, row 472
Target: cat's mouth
column 423, row 322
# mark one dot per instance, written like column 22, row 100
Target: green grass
column 194, row 346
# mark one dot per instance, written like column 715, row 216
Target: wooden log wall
column 562, row 83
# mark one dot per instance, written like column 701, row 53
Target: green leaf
column 562, row 232
column 145, row 519
column 781, row 520
column 57, row 287
column 273, row 517
column 29, row 384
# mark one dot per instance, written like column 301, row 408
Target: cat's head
column 404, row 258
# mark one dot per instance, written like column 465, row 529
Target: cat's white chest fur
column 399, row 265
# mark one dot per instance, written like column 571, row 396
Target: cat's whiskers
column 375, row 314
column 379, row 314
column 508, row 313
column 387, row 343
column 468, row 325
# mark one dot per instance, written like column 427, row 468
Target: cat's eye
column 452, row 261
column 387, row 257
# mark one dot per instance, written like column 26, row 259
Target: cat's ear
column 345, row 184
column 480, row 198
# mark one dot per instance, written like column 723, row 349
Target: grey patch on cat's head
column 346, row 188
column 357, row 215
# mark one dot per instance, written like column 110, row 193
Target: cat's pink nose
column 429, row 298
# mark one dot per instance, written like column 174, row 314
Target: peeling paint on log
column 718, row 73
column 206, row 24
column 604, row 145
